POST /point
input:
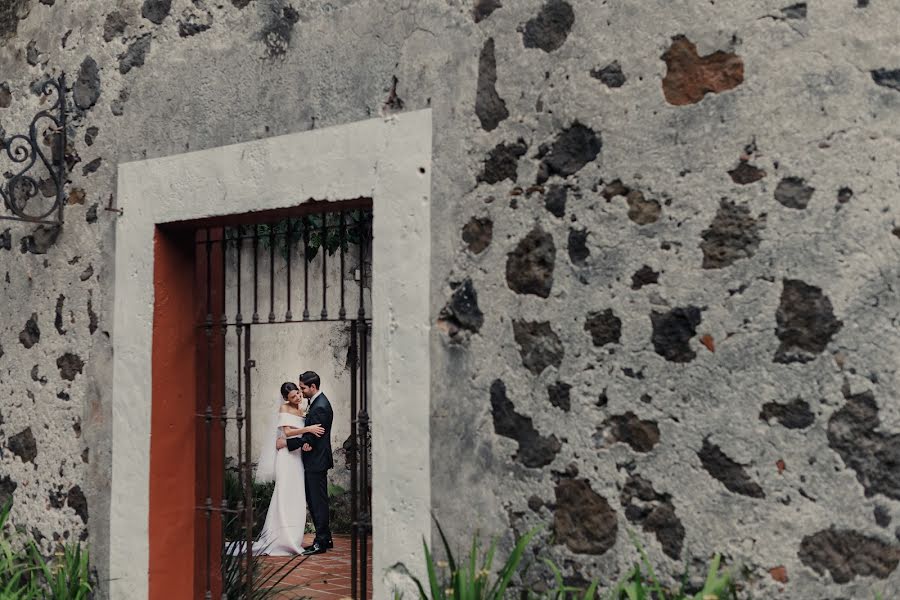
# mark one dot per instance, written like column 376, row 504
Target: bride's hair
column 287, row 387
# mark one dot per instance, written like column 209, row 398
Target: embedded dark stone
column 539, row 346
column 805, row 322
column 32, row 54
column 92, row 166
column 641, row 435
column 793, row 192
column 69, row 366
column 887, row 78
column 484, row 8
column 535, row 503
column 862, row 3
column 555, row 200
column 793, row 415
column 90, row 135
column 535, row 450
column 844, row 196
column 641, row 210
column 745, row 173
column 689, row 76
column 7, row 489
column 63, row 396
column 644, row 276
column 847, row 554
column 882, row 516
column 113, row 26
column 461, row 311
column 5, row 96
column 583, row 520
column 92, row 316
column 655, row 513
column 35, row 375
column 489, row 106
column 853, row 432
column 794, row 11
column 41, row 240
column 502, row 162
column 672, row 333
column 239, row 4
column 58, row 321
column 156, row 11
column 611, row 75
column 23, row 445
column 86, row 90
column 57, row 498
column 134, row 55
column 529, row 268
column 559, row 394
column 117, row 106
column 573, row 148
column 478, row 234
column 11, row 12
column 730, row 473
column 90, row 214
column 6, row 240
column 733, row 234
column 578, row 250
column 192, row 24
column 31, row 335
column 278, row 32
column 604, row 327
column 77, row 502
column 550, row 28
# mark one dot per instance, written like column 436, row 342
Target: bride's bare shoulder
column 285, row 408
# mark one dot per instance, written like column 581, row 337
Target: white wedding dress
column 282, row 534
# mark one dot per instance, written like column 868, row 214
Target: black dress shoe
column 329, row 544
column 314, row 549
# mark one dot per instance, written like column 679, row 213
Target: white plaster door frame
column 388, row 160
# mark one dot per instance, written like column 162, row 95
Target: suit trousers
column 316, row 484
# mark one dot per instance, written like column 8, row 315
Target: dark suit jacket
column 319, row 458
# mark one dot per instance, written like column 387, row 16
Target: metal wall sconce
column 26, row 196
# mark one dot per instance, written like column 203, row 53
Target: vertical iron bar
column 342, row 314
column 323, row 246
column 354, row 483
column 271, row 273
column 248, row 486
column 208, row 326
column 255, row 273
column 289, row 234
column 361, row 313
column 62, row 140
column 366, row 513
column 305, row 268
column 239, row 415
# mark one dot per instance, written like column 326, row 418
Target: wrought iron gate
column 249, row 264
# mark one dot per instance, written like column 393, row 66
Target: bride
column 285, row 525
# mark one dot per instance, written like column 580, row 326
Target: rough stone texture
column 5, row 95
column 535, row 450
column 23, row 445
column 806, row 322
column 555, row 200
column 69, row 366
column 489, row 106
column 583, row 520
column 550, row 28
column 733, row 234
column 641, row 435
column 846, row 554
column 559, row 395
column 745, row 173
column 732, row 474
column 156, row 11
column 529, row 268
column 644, row 276
column 31, row 334
column 689, row 76
column 135, row 55
column 819, row 97
column 477, row 234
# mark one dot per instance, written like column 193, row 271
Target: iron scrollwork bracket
column 22, row 186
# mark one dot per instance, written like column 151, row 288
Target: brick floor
column 323, row 576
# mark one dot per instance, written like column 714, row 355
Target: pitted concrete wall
column 665, row 275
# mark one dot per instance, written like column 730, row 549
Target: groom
column 317, row 459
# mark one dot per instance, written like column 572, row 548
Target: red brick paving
column 322, row 576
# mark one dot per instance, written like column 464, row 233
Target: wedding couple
column 298, row 460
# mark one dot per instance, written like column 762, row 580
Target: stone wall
column 665, row 240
